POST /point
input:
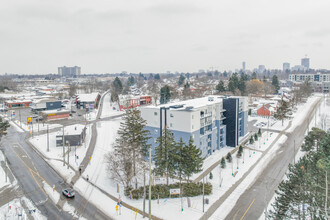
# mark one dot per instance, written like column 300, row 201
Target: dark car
column 68, row 192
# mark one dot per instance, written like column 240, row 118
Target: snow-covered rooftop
column 91, row 97
column 193, row 103
column 72, row 130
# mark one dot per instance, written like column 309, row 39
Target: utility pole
column 149, row 183
column 294, row 151
column 69, row 149
column 47, row 139
column 203, row 194
column 38, row 122
column 32, row 127
column 20, row 119
column 144, row 193
column 315, row 118
column 63, row 147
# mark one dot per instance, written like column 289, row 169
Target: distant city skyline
column 109, row 36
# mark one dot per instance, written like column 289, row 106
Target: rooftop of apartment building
column 192, row 103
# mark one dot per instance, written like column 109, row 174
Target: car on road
column 69, row 192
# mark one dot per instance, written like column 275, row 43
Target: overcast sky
column 37, row 36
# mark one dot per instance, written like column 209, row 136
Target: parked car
column 69, row 192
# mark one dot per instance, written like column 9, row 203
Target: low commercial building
column 88, row 101
column 134, row 102
column 73, row 135
column 213, row 122
column 45, row 104
column 18, row 103
column 55, row 114
column 319, row 81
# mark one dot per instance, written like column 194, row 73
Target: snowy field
column 15, row 210
column 109, row 108
column 56, row 153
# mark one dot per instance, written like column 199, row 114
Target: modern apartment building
column 312, row 77
column 203, row 119
column 69, row 71
column 320, row 81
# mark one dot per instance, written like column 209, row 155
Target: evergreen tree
column 132, row 132
column 211, row 176
column 303, row 193
column 254, row 75
column 221, row 86
column 165, row 155
column 315, row 135
column 251, row 139
column 157, row 76
column 3, row 127
column 259, row 132
column 275, row 83
column 193, row 160
column 229, row 157
column 282, row 111
column 165, row 94
column 118, row 86
column 131, row 81
column 249, row 112
column 255, row 136
column 181, row 80
column 223, row 163
column 240, row 151
column 241, row 86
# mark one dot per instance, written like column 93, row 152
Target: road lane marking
column 248, row 209
column 31, row 172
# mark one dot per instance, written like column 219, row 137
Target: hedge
column 163, row 191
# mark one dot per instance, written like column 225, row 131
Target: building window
column 156, row 131
column 192, row 116
column 171, row 125
column 155, row 113
column 192, row 127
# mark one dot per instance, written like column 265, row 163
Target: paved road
column 253, row 201
column 30, row 170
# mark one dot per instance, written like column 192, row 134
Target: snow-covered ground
column 109, row 108
column 3, row 182
column 230, row 202
column 36, row 126
column 167, row 208
column 56, row 153
column 262, row 122
column 263, row 142
column 303, row 109
column 322, row 122
column 15, row 210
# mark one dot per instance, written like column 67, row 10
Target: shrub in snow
column 223, row 163
column 229, row 158
column 163, row 191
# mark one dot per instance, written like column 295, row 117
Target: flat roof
column 91, row 97
column 76, row 129
column 191, row 103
